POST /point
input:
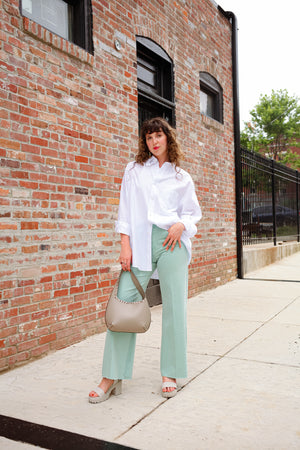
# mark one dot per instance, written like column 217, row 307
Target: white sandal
column 169, row 384
column 115, row 389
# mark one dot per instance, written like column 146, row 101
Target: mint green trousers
column 172, row 269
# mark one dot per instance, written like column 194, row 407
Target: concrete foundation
column 261, row 255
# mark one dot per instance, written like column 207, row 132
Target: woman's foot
column 105, row 384
column 169, row 387
column 105, row 389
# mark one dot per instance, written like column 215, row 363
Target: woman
column 157, row 216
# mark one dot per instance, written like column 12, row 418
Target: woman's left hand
column 174, row 235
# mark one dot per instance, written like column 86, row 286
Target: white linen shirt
column 153, row 195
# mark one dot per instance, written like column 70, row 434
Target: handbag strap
column 137, row 284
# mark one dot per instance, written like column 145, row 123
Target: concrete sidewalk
column 243, row 390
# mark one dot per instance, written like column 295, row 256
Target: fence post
column 273, row 203
column 297, row 203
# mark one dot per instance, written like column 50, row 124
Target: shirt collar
column 151, row 161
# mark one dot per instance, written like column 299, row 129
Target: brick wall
column 68, row 126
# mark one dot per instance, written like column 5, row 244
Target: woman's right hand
column 126, row 253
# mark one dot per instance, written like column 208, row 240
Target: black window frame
column 81, row 23
column 158, row 99
column 211, row 87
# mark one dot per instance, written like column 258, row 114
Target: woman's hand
column 126, row 253
column 174, row 235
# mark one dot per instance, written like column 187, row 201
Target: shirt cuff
column 190, row 227
column 122, row 227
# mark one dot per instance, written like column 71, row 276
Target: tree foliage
column 275, row 128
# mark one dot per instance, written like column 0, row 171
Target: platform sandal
column 115, row 389
column 169, row 384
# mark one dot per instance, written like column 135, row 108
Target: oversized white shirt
column 153, row 195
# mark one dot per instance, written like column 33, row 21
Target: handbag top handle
column 137, row 283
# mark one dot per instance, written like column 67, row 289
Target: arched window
column 155, row 81
column 211, row 97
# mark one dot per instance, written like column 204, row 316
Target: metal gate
column 269, row 200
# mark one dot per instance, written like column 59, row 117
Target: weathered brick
column 46, row 339
column 68, row 127
column 29, row 225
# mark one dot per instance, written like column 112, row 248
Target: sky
column 268, row 49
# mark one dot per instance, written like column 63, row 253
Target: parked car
column 284, row 215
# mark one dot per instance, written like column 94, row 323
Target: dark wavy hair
column 154, row 126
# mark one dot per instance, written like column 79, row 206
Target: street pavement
column 243, row 389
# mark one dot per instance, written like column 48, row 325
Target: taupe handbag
column 128, row 317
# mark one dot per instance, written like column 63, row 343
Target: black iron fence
column 270, row 200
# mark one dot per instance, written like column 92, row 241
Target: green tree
column 275, row 128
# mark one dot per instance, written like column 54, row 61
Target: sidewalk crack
column 140, row 420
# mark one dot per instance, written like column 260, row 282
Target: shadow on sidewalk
column 51, row 438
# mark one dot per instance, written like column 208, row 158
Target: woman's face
column 157, row 144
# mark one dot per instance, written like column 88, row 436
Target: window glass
column 211, row 97
column 207, row 104
column 53, row 15
column 147, row 73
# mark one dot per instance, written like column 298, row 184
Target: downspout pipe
column 237, row 143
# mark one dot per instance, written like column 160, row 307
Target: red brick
column 76, row 290
column 25, row 346
column 10, row 312
column 31, row 249
column 38, row 141
column 89, row 287
column 73, row 306
column 41, row 350
column 20, row 301
column 9, row 331
column 40, row 314
column 29, row 225
column 28, row 111
column 29, row 326
column 46, row 339
column 7, row 352
column 61, row 293
column 7, row 143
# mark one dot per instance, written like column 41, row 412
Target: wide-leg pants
column 172, row 269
